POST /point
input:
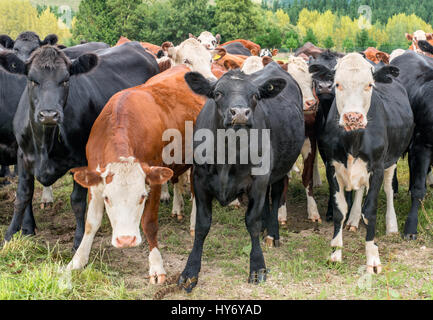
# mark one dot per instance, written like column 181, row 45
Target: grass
column 31, row 268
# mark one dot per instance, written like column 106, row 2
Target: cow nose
column 49, row 117
column 309, row 104
column 126, row 241
column 240, row 115
column 353, row 121
column 325, row 86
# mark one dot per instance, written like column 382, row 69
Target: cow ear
column 231, row 64
column 271, row 88
column 11, row 63
column 384, row 74
column 266, row 60
column 429, row 36
column 50, row 39
column 6, row 41
column 218, row 53
column 382, row 56
column 199, row 84
column 320, row 71
column 83, row 64
column 157, row 175
column 86, row 178
column 192, row 36
column 425, row 46
column 218, row 38
column 61, row 46
column 409, row 36
column 166, row 45
column 254, row 52
column 274, row 52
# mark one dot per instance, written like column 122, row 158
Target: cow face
column 323, row 73
column 208, row 40
column 235, row 95
column 354, row 82
column 48, row 72
column 192, row 54
column 124, row 187
column 298, row 69
column 418, row 36
column 268, row 53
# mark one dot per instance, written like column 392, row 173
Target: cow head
column 26, row 43
column 418, row 36
column 207, row 39
column 268, row 53
column 235, row 95
column 323, row 72
column 192, row 54
column 252, row 64
column 298, row 69
column 354, row 82
column 48, row 72
column 124, row 188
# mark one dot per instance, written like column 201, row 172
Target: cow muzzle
column 240, row 116
column 49, row 117
column 353, row 121
column 126, row 242
column 310, row 105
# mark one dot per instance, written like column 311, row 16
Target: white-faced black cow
column 372, row 127
column 26, row 43
column 56, row 112
column 267, row 101
column 416, row 74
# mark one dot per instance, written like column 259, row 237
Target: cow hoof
column 173, row 215
column 157, row 279
column 336, row 256
column 257, row 277
column 180, row 217
column 187, row 283
column 271, row 243
column 329, row 218
column 46, row 205
column 318, row 220
column 282, row 222
column 192, row 233
column 410, row 236
column 374, row 269
column 352, row 228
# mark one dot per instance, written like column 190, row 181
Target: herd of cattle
column 100, row 112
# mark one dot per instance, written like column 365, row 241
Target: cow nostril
column 247, row 112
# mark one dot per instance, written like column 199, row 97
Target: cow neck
column 353, row 141
column 44, row 137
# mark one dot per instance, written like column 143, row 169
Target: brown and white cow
column 125, row 162
column 208, row 40
column 417, row 36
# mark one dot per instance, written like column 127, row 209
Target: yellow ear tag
column 216, row 57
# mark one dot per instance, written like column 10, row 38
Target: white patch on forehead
column 298, row 69
column 353, row 176
column 235, row 78
column 419, row 35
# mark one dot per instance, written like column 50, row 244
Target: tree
column 17, row 16
column 348, row 45
column 236, row 19
column 328, row 43
column 310, row 37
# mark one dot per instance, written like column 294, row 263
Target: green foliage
column 271, row 38
column 310, row 37
column 348, row 45
column 328, row 43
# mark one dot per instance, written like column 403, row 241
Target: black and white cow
column 416, row 74
column 57, row 109
column 267, row 99
column 26, row 43
column 369, row 127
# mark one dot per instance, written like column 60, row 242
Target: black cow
column 76, row 51
column 26, row 43
column 237, row 48
column 56, row 112
column 416, row 74
column 268, row 99
column 369, row 127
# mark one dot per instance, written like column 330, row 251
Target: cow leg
column 419, row 162
column 78, row 204
column 165, row 195
column 339, row 215
column 193, row 217
column 355, row 212
column 189, row 277
column 266, row 216
column 149, row 224
column 93, row 222
column 395, row 182
column 330, row 210
column 29, row 223
column 178, row 203
column 273, row 237
column 369, row 216
column 24, row 196
column 282, row 210
column 308, row 154
column 391, row 218
column 47, row 197
column 253, row 222
column 317, row 181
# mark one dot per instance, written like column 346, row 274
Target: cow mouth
column 352, row 126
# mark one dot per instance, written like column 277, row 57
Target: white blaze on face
column 396, row 53
column 353, row 89
column 298, row 69
column 252, row 64
column 192, row 54
column 265, row 53
column 125, row 194
column 208, row 40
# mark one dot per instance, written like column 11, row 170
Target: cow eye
column 186, row 61
column 142, row 198
column 218, row 96
column 339, row 86
column 65, row 83
column 34, row 83
column 199, row 40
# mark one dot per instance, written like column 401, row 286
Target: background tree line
column 283, row 24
